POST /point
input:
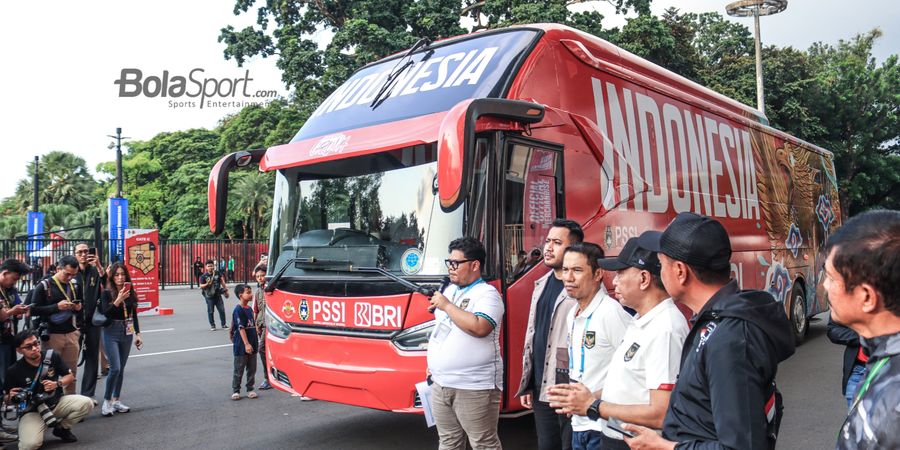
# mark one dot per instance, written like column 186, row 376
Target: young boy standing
column 245, row 341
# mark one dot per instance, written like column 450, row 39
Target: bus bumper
column 366, row 372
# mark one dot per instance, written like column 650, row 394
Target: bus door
column 531, row 198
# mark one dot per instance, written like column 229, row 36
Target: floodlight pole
column 756, row 8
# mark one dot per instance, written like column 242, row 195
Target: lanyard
column 460, row 292
column 65, row 292
column 587, row 323
column 865, row 386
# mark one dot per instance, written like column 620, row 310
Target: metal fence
column 176, row 257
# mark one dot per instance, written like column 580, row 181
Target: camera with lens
column 43, row 331
column 26, row 401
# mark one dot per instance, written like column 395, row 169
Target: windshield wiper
column 311, row 260
column 396, row 72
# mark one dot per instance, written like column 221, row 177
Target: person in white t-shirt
column 596, row 327
column 464, row 362
column 645, row 366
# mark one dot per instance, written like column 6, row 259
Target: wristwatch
column 593, row 411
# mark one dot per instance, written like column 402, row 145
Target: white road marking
column 178, row 351
column 154, row 331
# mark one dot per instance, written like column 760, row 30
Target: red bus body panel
column 640, row 145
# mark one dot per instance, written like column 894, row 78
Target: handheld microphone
column 444, row 283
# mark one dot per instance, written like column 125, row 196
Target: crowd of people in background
column 628, row 370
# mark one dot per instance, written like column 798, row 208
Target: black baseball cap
column 696, row 240
column 632, row 255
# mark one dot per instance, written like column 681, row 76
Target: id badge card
column 443, row 329
column 129, row 327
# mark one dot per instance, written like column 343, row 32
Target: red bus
column 494, row 135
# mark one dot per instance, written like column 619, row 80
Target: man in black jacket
column 862, row 278
column 725, row 396
column 89, row 281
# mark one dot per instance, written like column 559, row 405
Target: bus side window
column 530, row 205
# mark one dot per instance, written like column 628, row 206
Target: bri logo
column 369, row 315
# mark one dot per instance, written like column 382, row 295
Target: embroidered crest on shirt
column 464, row 303
column 705, row 333
column 631, row 351
column 590, row 338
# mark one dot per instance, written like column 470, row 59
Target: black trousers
column 554, row 430
column 219, row 304
column 244, row 364
column 91, row 356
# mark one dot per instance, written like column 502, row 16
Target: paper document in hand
column 424, row 391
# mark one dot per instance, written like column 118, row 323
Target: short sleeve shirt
column 594, row 336
column 242, row 318
column 648, row 359
column 459, row 360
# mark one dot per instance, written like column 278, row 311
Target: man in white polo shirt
column 645, row 367
column 464, row 362
column 596, row 326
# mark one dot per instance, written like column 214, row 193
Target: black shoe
column 64, row 434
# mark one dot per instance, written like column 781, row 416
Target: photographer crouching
column 34, row 386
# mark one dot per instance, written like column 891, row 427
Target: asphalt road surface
column 179, row 386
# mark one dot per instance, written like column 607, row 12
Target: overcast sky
column 61, row 58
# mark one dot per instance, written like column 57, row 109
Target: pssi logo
column 304, row 310
column 369, row 315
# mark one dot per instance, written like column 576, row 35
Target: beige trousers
column 70, row 410
column 66, row 345
column 459, row 413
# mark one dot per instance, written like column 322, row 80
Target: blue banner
column 118, row 222
column 35, row 228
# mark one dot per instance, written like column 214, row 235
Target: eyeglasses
column 453, row 264
column 35, row 344
column 81, row 252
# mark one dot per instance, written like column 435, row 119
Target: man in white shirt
column 464, row 361
column 597, row 325
column 644, row 368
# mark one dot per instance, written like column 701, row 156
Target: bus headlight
column 415, row 338
column 276, row 326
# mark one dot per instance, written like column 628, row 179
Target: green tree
column 251, row 197
column 857, row 102
column 64, row 179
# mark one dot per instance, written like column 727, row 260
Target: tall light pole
column 118, row 137
column 36, row 186
column 756, row 8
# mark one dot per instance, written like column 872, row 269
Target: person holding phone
column 119, row 303
column 89, row 281
column 56, row 304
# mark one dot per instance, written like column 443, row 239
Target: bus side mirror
column 456, row 140
column 217, row 196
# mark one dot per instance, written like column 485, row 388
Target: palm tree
column 64, row 180
column 254, row 202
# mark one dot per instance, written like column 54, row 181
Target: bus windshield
column 382, row 211
column 438, row 77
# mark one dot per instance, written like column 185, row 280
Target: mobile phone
column 616, row 425
column 92, row 251
column 127, row 285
